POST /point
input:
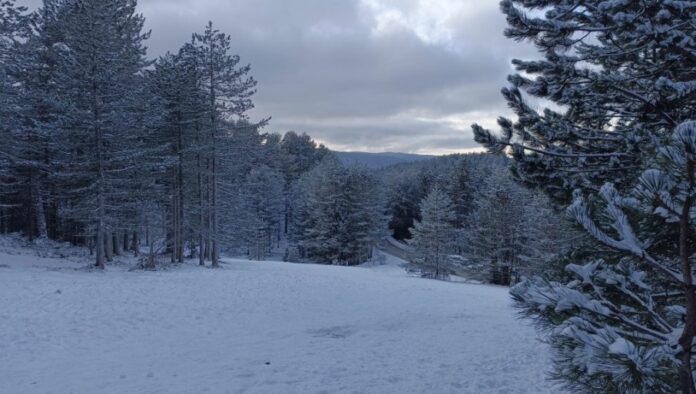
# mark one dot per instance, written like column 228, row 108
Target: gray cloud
column 377, row 75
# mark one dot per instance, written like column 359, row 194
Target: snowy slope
column 257, row 327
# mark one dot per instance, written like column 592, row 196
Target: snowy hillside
column 256, row 327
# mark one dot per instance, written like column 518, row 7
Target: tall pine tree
column 99, row 78
column 228, row 90
column 623, row 319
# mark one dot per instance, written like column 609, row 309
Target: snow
column 400, row 245
column 257, row 327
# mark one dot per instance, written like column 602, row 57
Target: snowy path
column 258, row 328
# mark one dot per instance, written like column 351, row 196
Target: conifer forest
column 314, row 196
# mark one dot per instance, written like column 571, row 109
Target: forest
column 582, row 206
column 125, row 153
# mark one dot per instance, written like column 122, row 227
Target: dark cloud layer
column 377, row 75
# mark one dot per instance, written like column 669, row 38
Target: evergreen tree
column 298, row 154
column 364, row 221
column 628, row 311
column 622, row 75
column 336, row 216
column 433, row 235
column 261, row 213
column 461, row 190
column 512, row 229
column 14, row 28
column 323, row 213
column 99, row 79
column 175, row 80
column 228, row 91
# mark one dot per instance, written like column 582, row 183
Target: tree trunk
column 180, row 205
column 686, row 379
column 209, row 196
column 202, row 199
column 100, row 246
column 215, row 253
column 109, row 246
column 169, row 227
column 135, row 247
column 147, row 233
column 101, row 188
column 201, row 256
column 213, row 133
column 116, row 243
column 38, row 207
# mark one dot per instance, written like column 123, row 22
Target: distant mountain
column 378, row 160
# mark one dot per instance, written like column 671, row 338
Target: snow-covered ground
column 256, row 327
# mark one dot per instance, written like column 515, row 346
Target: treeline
column 465, row 214
column 105, row 148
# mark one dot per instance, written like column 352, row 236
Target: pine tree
column 433, row 236
column 176, row 81
column 460, row 189
column 497, row 233
column 40, row 119
column 324, row 212
column 262, row 207
column 629, row 310
column 510, row 229
column 14, row 28
column 298, row 154
column 336, row 216
column 228, row 92
column 364, row 221
column 622, row 76
column 99, row 79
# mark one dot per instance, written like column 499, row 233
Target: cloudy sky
column 367, row 75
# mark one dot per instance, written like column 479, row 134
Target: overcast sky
column 366, row 75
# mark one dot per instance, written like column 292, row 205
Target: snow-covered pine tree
column 336, row 216
column 41, row 120
column 14, row 29
column 175, row 80
column 319, row 213
column 621, row 74
column 242, row 151
column 262, row 209
column 628, row 321
column 496, row 230
column 298, row 154
column 364, row 222
column 406, row 186
column 510, row 228
column 434, row 235
column 99, row 79
column 228, row 91
column 461, row 190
